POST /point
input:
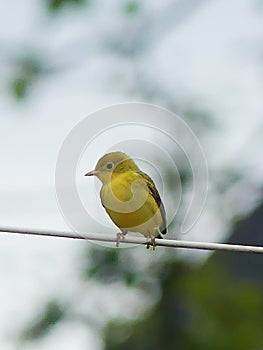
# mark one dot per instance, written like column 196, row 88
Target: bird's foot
column 148, row 243
column 151, row 242
column 119, row 236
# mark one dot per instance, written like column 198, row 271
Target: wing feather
column 154, row 192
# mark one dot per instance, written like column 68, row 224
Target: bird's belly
column 129, row 220
column 142, row 220
column 135, row 211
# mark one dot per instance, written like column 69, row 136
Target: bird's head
column 111, row 165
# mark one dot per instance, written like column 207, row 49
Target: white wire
column 134, row 240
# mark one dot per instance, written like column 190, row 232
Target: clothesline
column 132, row 240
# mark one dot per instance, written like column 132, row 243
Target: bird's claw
column 148, row 243
column 119, row 236
column 151, row 242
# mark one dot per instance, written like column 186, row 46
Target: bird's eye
column 109, row 166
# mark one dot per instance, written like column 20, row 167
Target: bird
column 130, row 197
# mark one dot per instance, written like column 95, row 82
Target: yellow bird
column 130, row 197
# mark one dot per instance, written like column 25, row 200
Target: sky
column 214, row 58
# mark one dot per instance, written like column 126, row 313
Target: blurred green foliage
column 27, row 69
column 52, row 314
column 106, row 265
column 19, row 87
column 56, row 5
column 131, row 7
column 200, row 308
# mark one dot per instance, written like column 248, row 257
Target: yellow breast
column 130, row 205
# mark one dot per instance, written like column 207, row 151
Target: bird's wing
column 154, row 192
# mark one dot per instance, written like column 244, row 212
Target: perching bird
column 130, row 197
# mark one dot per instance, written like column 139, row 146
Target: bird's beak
column 92, row 173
